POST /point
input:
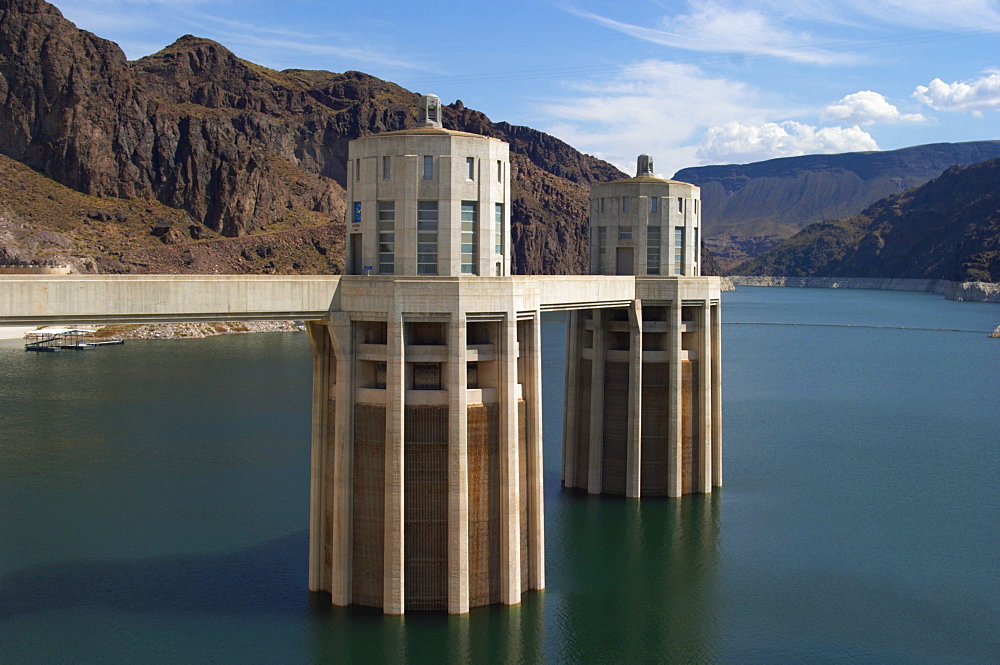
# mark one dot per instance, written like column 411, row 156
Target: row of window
column 625, row 233
column 652, row 246
column 427, row 236
column 605, row 204
column 428, row 168
column 427, row 376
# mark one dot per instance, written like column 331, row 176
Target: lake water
column 154, row 507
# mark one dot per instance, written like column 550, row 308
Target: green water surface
column 154, row 507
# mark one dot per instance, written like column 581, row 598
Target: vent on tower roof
column 430, row 111
column 644, row 166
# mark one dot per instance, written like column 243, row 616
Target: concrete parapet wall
column 45, row 299
column 41, row 299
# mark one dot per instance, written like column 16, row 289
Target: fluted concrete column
column 595, row 477
column 458, row 467
column 717, row 395
column 703, row 483
column 319, row 539
column 393, row 599
column 533, row 396
column 633, row 462
column 675, row 469
column 342, row 491
column 571, row 400
column 510, row 495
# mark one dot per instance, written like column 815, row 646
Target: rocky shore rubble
column 194, row 330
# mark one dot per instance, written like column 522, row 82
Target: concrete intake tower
column 427, row 485
column 427, row 451
column 426, row 444
column 643, row 382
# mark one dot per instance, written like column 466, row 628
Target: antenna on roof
column 430, row 111
column 644, row 166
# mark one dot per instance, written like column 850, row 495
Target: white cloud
column 719, row 28
column 930, row 14
column 735, row 142
column 976, row 96
column 132, row 22
column 263, row 48
column 804, row 31
column 653, row 107
column 979, row 15
column 682, row 117
column 866, row 108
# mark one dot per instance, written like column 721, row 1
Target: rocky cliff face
column 747, row 209
column 946, row 229
column 241, row 148
column 72, row 107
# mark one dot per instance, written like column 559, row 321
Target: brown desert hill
column 240, row 149
column 948, row 228
column 45, row 222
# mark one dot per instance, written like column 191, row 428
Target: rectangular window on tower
column 652, row 250
column 428, row 167
column 695, row 247
column 624, row 232
column 498, row 228
column 386, row 237
column 679, row 250
column 680, row 204
column 427, row 237
column 386, row 164
column 470, row 237
column 652, row 203
column 499, row 171
column 470, row 168
column 624, row 204
column 357, row 170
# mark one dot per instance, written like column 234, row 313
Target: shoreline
column 195, row 330
column 15, row 332
column 988, row 292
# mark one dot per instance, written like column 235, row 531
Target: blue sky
column 690, row 82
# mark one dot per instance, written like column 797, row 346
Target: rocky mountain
column 236, row 149
column 948, row 228
column 747, row 209
column 43, row 221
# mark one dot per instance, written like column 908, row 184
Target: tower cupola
column 644, row 166
column 430, row 111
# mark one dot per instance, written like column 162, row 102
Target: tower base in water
column 427, row 459
column 643, row 397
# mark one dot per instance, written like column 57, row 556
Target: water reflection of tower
column 643, row 380
column 644, row 590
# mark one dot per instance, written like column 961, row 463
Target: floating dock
column 48, row 340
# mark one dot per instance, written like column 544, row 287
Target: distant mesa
column 750, row 208
column 947, row 229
